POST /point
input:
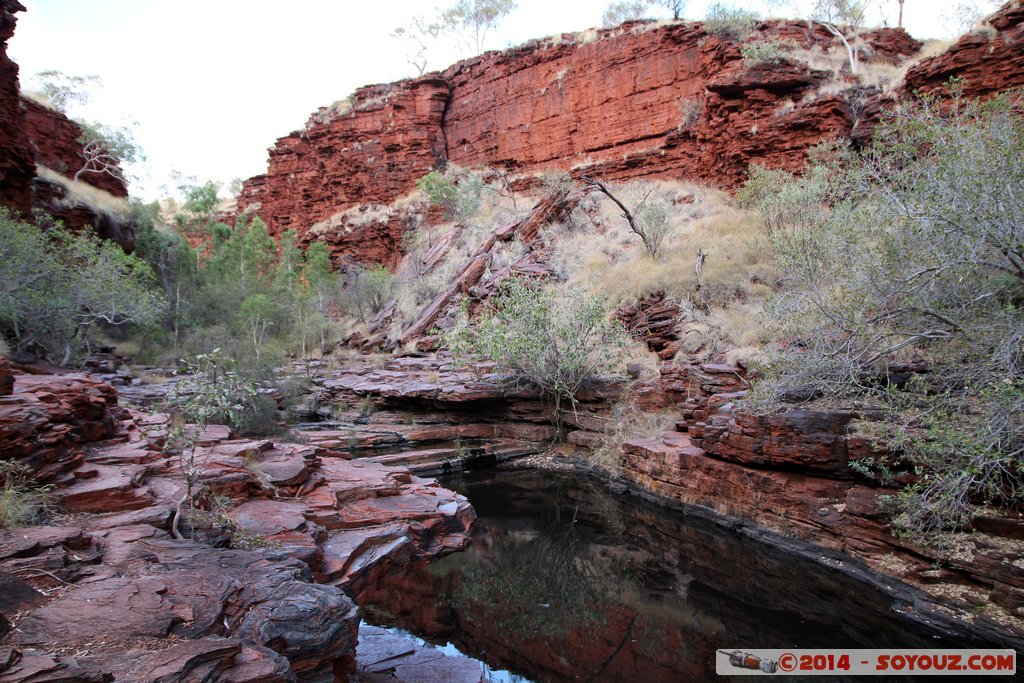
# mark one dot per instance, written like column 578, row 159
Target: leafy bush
column 766, row 51
column 58, row 287
column 458, row 190
column 553, row 342
column 914, row 258
column 622, row 11
column 729, row 22
column 370, row 289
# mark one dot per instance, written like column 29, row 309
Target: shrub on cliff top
column 729, row 22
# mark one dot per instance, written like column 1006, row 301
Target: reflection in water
column 566, row 582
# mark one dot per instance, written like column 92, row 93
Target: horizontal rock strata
column 114, row 594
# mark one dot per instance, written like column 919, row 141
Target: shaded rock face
column 46, row 419
column 639, row 101
column 54, row 139
column 16, row 164
column 52, row 198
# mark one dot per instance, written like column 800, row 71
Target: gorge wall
column 16, row 167
column 638, row 100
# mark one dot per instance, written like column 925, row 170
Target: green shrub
column 730, row 22
column 369, row 289
column 766, row 52
column 913, row 256
column 59, row 287
column 458, row 190
column 552, row 342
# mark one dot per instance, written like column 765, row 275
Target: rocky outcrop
column 367, row 150
column 987, row 60
column 639, row 100
column 46, row 419
column 16, row 165
column 306, row 526
column 55, row 143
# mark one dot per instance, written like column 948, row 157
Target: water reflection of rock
column 566, row 582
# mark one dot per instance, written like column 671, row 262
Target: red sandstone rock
column 989, row 59
column 54, row 139
column 612, row 105
column 6, row 378
column 368, row 153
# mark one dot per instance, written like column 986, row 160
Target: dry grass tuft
column 78, row 193
column 416, row 284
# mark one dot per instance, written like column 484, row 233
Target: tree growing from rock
column 105, row 149
column 628, row 10
column 844, row 19
column 61, row 91
column 633, row 10
column 469, row 21
column 472, row 20
column 649, row 220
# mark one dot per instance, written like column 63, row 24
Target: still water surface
column 565, row 581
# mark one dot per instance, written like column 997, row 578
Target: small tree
column 206, row 394
column 633, row 10
column 676, row 7
column 106, row 150
column 418, row 36
column 912, row 256
column 55, row 287
column 458, row 190
column 63, row 91
column 553, row 342
column 649, row 221
column 370, row 288
column 472, row 20
column 841, row 17
column 626, row 10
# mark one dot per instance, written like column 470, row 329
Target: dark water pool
column 565, row 581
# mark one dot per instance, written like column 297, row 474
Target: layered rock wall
column 367, row 150
column 987, row 60
column 639, row 100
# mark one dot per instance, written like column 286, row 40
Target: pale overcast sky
column 213, row 83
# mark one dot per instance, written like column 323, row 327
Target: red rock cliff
column 638, row 100
column 370, row 149
column 16, row 168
